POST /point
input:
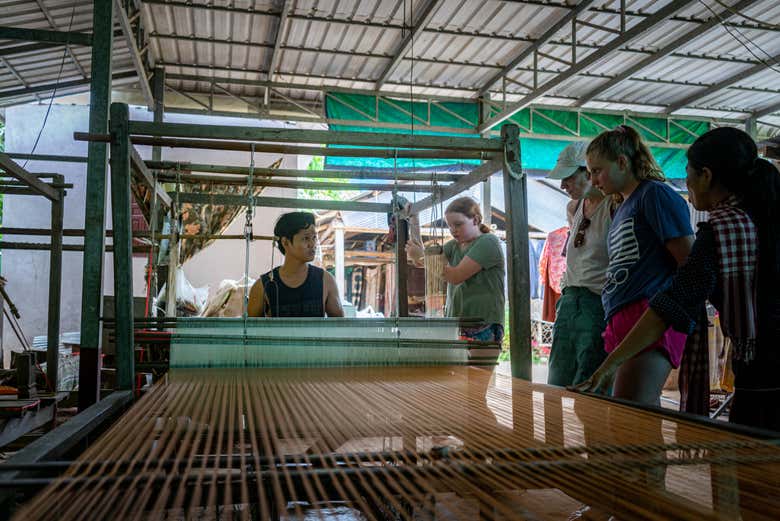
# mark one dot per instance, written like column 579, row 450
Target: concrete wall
column 27, row 272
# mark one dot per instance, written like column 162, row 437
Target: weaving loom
column 286, row 419
column 400, row 442
column 320, row 342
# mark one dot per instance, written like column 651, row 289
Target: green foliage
column 316, row 165
column 537, row 356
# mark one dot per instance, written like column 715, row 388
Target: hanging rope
column 151, row 272
column 434, row 261
column 250, row 204
column 248, row 224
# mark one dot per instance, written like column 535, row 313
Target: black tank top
column 303, row 301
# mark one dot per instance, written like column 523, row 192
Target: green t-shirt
column 482, row 295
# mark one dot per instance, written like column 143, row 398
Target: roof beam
column 666, row 50
column 276, row 53
column 384, row 23
column 441, row 30
column 21, row 49
column 766, row 111
column 309, row 76
column 423, row 18
column 135, row 55
column 53, row 25
column 651, row 22
column 42, row 35
column 728, row 82
column 528, row 51
column 16, row 75
column 49, row 87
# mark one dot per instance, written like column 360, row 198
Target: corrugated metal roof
column 49, row 65
column 350, row 45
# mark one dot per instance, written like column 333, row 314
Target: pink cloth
column 672, row 342
column 552, row 264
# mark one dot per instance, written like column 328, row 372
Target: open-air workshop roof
column 709, row 58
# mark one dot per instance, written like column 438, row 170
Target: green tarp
column 555, row 128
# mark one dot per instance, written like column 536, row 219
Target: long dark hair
column 732, row 157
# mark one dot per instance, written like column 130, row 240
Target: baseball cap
column 569, row 160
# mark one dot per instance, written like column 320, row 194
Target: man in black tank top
column 296, row 288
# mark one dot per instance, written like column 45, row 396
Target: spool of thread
column 435, row 285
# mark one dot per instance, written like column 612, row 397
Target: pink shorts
column 672, row 342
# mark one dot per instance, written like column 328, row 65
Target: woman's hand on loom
column 600, row 379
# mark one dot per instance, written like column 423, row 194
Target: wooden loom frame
column 121, row 157
column 496, row 154
column 31, row 184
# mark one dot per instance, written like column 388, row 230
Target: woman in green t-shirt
column 474, row 272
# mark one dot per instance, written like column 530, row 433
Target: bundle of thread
column 435, row 285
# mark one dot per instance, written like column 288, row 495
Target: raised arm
column 415, row 248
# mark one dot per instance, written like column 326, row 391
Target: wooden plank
column 55, row 291
column 482, row 172
column 518, row 269
column 384, row 175
column 42, row 246
column 305, row 185
column 12, row 429
column 12, row 169
column 286, row 202
column 402, row 266
column 158, row 92
column 94, row 213
column 139, row 166
column 245, row 146
column 123, row 245
column 321, row 137
column 60, row 441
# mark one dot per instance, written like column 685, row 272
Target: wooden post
column 338, row 227
column 158, row 93
column 55, row 286
column 123, row 242
column 173, row 262
column 487, row 203
column 155, row 223
column 402, row 268
column 518, row 269
column 94, row 215
column 751, row 127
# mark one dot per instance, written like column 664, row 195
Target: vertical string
column 151, row 272
column 250, row 204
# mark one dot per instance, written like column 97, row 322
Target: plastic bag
column 188, row 297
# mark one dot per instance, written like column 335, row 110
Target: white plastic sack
column 187, row 295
